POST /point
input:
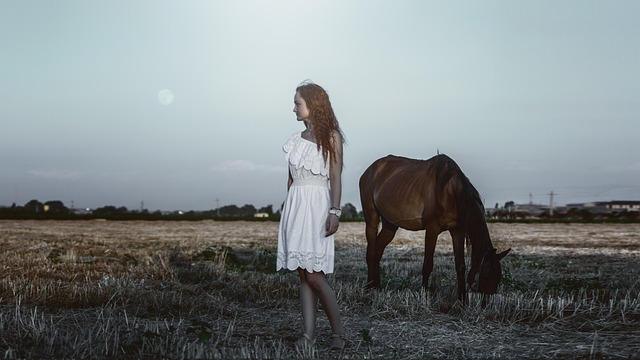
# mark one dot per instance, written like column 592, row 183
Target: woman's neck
column 308, row 133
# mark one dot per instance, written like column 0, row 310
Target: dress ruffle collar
column 302, row 153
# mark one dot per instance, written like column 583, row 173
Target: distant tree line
column 35, row 209
column 57, row 210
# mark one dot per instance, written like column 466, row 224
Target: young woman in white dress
column 311, row 212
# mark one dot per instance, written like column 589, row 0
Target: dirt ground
column 569, row 291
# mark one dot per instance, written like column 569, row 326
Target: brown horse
column 432, row 195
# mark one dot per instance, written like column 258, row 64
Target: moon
column 165, row 97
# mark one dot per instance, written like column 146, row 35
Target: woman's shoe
column 305, row 341
column 338, row 341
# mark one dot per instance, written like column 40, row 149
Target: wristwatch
column 335, row 211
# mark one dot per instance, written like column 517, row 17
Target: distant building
column 615, row 205
column 598, row 208
column 626, row 205
column 531, row 208
column 517, row 211
column 81, row 211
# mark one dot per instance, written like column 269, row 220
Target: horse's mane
column 468, row 202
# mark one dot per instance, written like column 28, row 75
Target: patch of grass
column 537, row 265
column 573, row 284
column 366, row 336
column 54, row 256
column 252, row 259
column 510, row 282
column 130, row 260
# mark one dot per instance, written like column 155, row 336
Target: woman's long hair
column 324, row 121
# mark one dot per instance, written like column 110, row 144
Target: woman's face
column 300, row 107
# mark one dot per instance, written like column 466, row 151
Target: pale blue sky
column 528, row 97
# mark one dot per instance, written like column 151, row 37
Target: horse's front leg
column 458, row 239
column 430, row 238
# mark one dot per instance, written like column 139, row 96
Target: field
column 101, row 289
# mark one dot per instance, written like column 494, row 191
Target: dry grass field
column 174, row 290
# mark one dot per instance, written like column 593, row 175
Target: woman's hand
column 332, row 224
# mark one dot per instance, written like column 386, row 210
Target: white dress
column 301, row 237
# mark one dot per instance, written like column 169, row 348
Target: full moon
column 165, row 97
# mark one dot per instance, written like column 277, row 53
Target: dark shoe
column 338, row 342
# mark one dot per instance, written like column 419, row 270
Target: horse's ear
column 503, row 254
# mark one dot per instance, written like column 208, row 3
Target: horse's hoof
column 371, row 286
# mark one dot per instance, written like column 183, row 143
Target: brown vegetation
column 102, row 289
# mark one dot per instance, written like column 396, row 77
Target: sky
column 528, row 97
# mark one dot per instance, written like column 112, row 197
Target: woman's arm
column 335, row 183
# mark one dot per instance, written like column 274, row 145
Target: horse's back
column 404, row 191
column 384, row 173
column 394, row 172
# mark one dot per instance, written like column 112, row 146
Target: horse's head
column 486, row 277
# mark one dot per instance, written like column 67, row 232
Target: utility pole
column 530, row 199
column 551, row 203
column 218, row 207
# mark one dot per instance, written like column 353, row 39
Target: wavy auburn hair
column 324, row 121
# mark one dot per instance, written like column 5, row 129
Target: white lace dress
column 301, row 237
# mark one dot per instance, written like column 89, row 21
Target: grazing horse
column 432, row 195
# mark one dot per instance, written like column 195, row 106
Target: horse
column 432, row 195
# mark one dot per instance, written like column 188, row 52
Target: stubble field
column 101, row 289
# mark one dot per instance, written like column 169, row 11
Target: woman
column 311, row 213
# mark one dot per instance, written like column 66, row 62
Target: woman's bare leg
column 323, row 291
column 309, row 303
